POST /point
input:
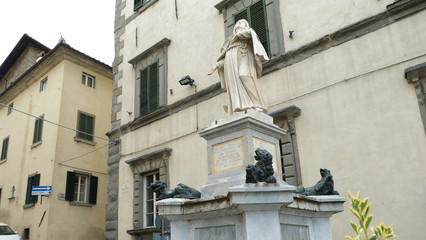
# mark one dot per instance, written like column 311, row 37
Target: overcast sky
column 86, row 25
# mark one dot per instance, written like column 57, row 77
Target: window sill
column 80, row 204
column 3, row 160
column 35, row 144
column 28, row 205
column 142, row 231
column 84, row 141
column 11, row 198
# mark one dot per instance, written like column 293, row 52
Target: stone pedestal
column 252, row 212
column 230, row 148
column 233, row 210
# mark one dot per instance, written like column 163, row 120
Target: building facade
column 346, row 79
column 54, row 105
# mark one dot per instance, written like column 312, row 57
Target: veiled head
column 241, row 25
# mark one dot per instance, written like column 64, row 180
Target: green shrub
column 361, row 208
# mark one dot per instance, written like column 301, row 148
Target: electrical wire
column 57, row 124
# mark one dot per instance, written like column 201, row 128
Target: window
column 88, row 80
column 38, row 129
column 147, row 168
column 4, row 148
column 0, row 194
column 10, row 109
column 81, row 188
column 149, row 89
column 256, row 17
column 43, row 84
column 33, row 181
column 263, row 16
column 151, row 78
column 137, row 4
column 85, row 126
column 26, row 234
column 12, row 191
column 149, row 199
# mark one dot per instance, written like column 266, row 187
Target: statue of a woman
column 239, row 67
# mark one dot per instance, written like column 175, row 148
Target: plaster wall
column 24, row 160
column 360, row 118
column 54, row 218
column 95, row 101
column 311, row 20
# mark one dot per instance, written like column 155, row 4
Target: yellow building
column 346, row 78
column 45, row 96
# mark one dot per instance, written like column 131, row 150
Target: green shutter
column 85, row 126
column 69, row 188
column 93, row 190
column 143, row 95
column 4, row 148
column 153, row 86
column 90, row 128
column 259, row 23
column 241, row 15
column 137, row 4
column 149, row 89
column 81, row 125
column 256, row 17
column 38, row 129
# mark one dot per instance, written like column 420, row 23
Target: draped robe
column 239, row 67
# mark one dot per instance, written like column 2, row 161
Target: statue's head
column 263, row 155
column 158, row 186
column 241, row 25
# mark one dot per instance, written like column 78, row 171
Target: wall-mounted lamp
column 187, row 80
column 130, row 113
column 291, row 34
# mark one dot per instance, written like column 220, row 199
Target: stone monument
column 241, row 199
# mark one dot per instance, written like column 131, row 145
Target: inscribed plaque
column 228, row 155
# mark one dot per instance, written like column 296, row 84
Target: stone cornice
column 157, row 46
column 415, row 73
column 395, row 12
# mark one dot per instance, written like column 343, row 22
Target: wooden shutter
column 29, row 187
column 143, row 94
column 35, row 182
column 36, row 131
column 4, row 149
column 153, row 86
column 137, row 4
column 259, row 24
column 93, row 190
column 90, row 123
column 81, row 125
column 69, row 188
column 241, row 15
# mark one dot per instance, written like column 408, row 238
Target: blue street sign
column 41, row 190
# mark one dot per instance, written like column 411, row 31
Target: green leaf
column 367, row 221
column 355, row 227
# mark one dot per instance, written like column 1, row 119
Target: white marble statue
column 239, row 66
